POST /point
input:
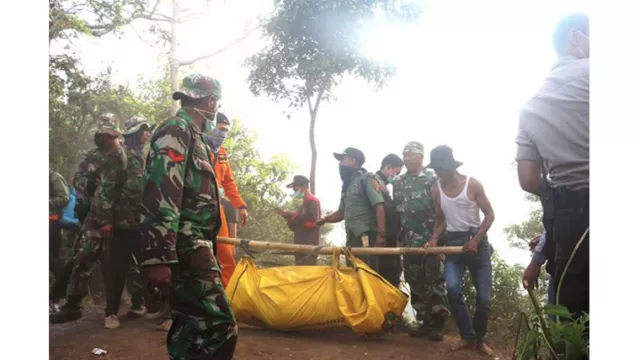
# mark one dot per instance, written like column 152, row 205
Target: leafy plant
column 563, row 339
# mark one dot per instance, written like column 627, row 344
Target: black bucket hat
column 442, row 158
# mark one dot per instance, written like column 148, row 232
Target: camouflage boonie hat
column 198, row 86
column 132, row 125
column 414, row 147
column 108, row 124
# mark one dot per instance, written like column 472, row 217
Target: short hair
column 578, row 21
column 392, row 159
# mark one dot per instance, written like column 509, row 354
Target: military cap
column 198, row 86
column 414, row 147
column 133, row 125
column 108, row 124
column 352, row 153
column 222, row 119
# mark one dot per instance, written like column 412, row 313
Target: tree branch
column 226, row 47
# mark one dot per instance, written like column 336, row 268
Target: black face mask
column 346, row 174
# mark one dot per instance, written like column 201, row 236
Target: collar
column 382, row 177
column 183, row 114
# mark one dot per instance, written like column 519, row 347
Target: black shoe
column 433, row 335
column 422, row 332
column 65, row 315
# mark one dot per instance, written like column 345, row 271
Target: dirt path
column 139, row 340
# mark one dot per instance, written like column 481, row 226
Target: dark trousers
column 356, row 241
column 480, row 268
column 571, row 219
column 55, row 244
column 390, row 266
column 116, row 268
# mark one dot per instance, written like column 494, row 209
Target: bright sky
column 462, row 76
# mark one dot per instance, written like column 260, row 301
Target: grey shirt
column 554, row 125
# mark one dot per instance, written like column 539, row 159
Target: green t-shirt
column 356, row 203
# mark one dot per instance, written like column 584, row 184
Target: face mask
column 394, row 179
column 209, row 116
column 298, row 195
column 215, row 138
column 346, row 173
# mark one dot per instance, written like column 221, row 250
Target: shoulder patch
column 375, row 184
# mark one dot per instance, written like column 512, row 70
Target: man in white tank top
column 458, row 202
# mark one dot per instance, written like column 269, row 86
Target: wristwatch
column 382, row 233
column 243, row 207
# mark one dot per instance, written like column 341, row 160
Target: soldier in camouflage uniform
column 85, row 183
column 180, row 222
column 99, row 222
column 124, row 249
column 411, row 193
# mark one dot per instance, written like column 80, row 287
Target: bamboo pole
column 294, row 248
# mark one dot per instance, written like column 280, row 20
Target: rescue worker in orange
column 227, row 188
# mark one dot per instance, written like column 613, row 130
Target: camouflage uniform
column 125, row 246
column 180, row 222
column 102, row 212
column 58, row 199
column 423, row 273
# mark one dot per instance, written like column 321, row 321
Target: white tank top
column 460, row 213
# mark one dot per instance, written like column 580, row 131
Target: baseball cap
column 352, row 153
column 299, row 180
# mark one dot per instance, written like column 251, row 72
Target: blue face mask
column 215, row 138
column 298, row 195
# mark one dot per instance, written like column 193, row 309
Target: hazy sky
column 462, row 75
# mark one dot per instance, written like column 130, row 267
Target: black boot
column 68, row 312
column 423, row 331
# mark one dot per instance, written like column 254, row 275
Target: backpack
column 68, row 218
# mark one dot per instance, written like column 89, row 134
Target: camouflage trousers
column 88, row 250
column 204, row 326
column 425, row 275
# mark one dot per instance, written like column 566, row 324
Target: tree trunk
column 173, row 60
column 314, row 152
column 313, row 112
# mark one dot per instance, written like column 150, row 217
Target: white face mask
column 208, row 124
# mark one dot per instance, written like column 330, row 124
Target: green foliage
column 566, row 337
column 519, row 235
column 76, row 100
column 313, row 44
column 68, row 18
column 261, row 183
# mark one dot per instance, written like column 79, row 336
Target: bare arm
column 335, row 217
column 477, row 191
column 530, row 176
column 441, row 223
column 380, row 217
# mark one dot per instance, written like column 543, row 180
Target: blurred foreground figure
column 554, row 135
